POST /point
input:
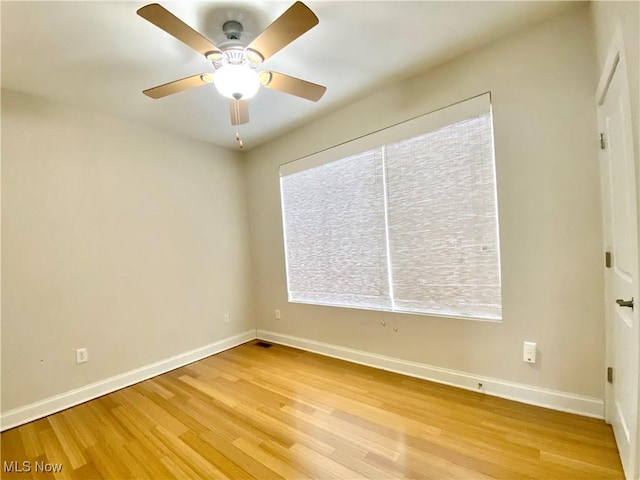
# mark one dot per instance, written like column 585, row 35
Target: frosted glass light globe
column 236, row 81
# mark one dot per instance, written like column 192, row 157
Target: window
column 402, row 220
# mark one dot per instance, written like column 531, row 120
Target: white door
column 621, row 240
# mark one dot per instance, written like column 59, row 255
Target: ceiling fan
column 236, row 74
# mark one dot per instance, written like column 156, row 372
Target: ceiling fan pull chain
column 237, row 109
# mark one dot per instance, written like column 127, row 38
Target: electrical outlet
column 277, row 314
column 529, row 352
column 82, row 355
column 226, row 318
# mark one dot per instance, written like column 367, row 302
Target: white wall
column 543, row 82
column 116, row 237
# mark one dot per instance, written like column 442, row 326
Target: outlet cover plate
column 82, row 355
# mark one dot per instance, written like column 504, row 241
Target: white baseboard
column 48, row 406
column 563, row 401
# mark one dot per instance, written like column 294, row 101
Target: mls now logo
column 27, row 467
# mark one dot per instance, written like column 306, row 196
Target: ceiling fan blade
column 176, row 86
column 167, row 21
column 294, row 86
column 239, row 111
column 297, row 20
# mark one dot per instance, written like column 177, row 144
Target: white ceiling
column 101, row 55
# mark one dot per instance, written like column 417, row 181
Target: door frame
column 616, row 61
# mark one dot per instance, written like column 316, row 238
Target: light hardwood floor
column 278, row 412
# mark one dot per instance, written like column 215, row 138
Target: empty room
column 330, row 239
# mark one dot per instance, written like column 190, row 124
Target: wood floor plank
column 38, row 473
column 143, row 452
column 89, row 471
column 54, row 454
column 14, row 454
column 282, row 468
column 104, row 426
column 68, row 441
column 182, row 451
column 177, row 410
column 32, row 445
column 228, row 468
column 178, row 469
column 256, row 413
column 240, row 458
column 336, row 469
column 594, row 470
column 224, row 422
column 322, row 430
column 399, row 470
column 310, row 470
column 363, row 467
column 367, row 440
column 81, row 424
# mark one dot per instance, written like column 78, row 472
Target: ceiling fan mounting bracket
column 232, row 29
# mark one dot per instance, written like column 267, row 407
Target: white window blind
column 335, row 233
column 402, row 220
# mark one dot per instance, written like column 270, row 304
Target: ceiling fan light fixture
column 253, row 56
column 207, row 77
column 236, row 81
column 265, row 77
column 214, row 56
